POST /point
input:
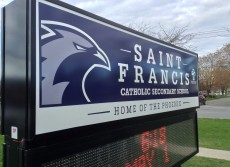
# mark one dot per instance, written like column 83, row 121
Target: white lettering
column 178, row 58
column 169, row 60
column 151, row 57
column 161, row 61
column 187, row 79
column 137, row 56
column 138, row 74
column 123, row 69
column 174, row 73
column 164, row 76
column 152, row 76
column 181, row 78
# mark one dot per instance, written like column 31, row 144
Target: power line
column 213, row 36
column 211, row 33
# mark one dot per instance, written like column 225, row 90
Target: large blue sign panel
column 89, row 72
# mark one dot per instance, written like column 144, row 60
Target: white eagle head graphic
column 68, row 55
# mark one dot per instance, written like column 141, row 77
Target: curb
column 212, row 153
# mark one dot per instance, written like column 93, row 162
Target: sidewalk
column 211, row 153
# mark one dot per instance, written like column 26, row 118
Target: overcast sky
column 208, row 19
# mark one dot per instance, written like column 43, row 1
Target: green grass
column 214, row 133
column 214, row 97
column 206, row 162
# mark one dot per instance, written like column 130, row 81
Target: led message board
column 90, row 72
column 157, row 147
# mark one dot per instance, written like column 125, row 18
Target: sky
column 208, row 20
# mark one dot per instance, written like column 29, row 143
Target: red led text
column 150, row 142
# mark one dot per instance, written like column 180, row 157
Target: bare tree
column 206, row 72
column 214, row 70
column 142, row 27
column 222, row 69
column 175, row 35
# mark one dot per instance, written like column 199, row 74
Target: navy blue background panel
column 71, row 45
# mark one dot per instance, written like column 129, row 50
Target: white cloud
column 201, row 15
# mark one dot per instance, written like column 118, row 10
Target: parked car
column 202, row 99
column 204, row 93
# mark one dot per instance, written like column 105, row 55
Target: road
column 215, row 109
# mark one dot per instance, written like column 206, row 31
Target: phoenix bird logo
column 68, row 55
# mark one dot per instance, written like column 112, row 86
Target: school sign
column 70, row 76
column 96, row 72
